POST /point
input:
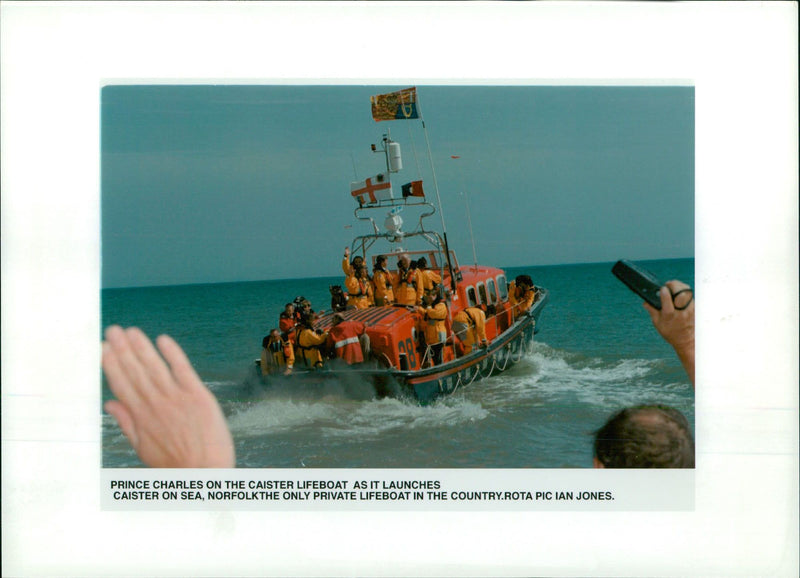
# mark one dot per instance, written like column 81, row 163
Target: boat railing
column 451, row 338
column 428, row 356
column 360, row 212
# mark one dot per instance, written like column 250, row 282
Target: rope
column 425, row 357
column 494, row 365
column 507, row 349
column 519, row 344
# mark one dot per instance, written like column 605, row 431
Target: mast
column 438, row 199
column 404, row 105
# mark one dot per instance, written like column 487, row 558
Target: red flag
column 413, row 189
column 372, row 190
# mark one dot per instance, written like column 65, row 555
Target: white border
column 742, row 58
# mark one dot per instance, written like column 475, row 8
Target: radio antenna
column 355, row 173
column 471, row 236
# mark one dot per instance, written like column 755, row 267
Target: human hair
column 645, row 436
column 523, row 280
column 422, row 262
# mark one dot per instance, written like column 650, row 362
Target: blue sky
column 211, row 183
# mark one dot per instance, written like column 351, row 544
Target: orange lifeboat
column 398, row 359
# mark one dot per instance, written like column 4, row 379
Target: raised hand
column 675, row 321
column 169, row 416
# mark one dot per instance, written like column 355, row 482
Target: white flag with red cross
column 372, row 190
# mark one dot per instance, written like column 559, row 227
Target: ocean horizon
column 315, row 277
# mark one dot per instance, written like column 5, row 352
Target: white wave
column 275, row 416
column 549, row 376
column 389, row 414
column 339, row 417
column 215, row 384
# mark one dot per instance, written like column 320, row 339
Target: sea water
column 596, row 352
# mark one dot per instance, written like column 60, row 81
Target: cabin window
column 492, row 291
column 503, row 287
column 472, row 300
column 482, row 293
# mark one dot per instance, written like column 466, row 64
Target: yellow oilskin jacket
column 384, row 291
column 435, row 328
column 475, row 320
column 277, row 355
column 522, row 304
column 430, row 278
column 359, row 292
column 410, row 288
column 309, row 343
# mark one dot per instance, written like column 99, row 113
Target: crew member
column 469, row 325
column 302, row 306
column 287, row 321
column 303, row 311
column 347, row 265
column 310, row 341
column 383, row 281
column 368, row 283
column 430, row 278
column 345, row 337
column 410, row 288
column 359, row 292
column 276, row 354
column 522, row 294
column 435, row 312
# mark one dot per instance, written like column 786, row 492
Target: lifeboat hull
column 503, row 353
column 426, row 384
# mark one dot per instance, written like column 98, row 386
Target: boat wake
column 329, row 426
column 545, row 376
column 336, row 417
column 549, row 376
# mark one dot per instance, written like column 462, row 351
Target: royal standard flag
column 400, row 105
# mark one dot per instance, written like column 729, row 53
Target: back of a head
column 645, row 436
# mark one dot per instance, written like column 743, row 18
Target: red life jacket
column 286, row 325
column 345, row 340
